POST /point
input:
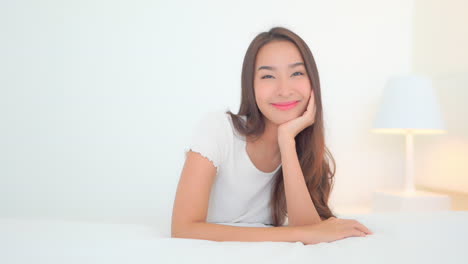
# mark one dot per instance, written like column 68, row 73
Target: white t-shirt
column 241, row 193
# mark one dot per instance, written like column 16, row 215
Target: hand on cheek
column 290, row 129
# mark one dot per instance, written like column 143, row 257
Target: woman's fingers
column 357, row 233
column 359, row 226
column 362, row 228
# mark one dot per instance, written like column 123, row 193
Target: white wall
column 98, row 98
column 440, row 51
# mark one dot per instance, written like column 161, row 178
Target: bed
column 424, row 237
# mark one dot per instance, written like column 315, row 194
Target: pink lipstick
column 285, row 105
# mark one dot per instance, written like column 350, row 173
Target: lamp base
column 409, row 201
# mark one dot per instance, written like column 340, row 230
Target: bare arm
column 219, row 232
column 191, row 207
column 301, row 210
column 191, row 204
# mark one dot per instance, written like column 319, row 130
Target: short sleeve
column 211, row 137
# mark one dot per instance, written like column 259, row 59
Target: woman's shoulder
column 213, row 123
column 212, row 136
column 221, row 123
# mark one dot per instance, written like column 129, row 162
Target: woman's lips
column 285, row 105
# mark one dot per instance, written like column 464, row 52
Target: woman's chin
column 279, row 120
column 278, row 117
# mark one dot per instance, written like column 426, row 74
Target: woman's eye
column 294, row 74
column 298, row 72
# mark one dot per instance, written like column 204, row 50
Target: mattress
column 422, row 237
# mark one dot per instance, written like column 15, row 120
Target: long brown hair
column 314, row 157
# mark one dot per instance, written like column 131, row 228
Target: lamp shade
column 409, row 105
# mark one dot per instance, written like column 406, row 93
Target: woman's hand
column 331, row 230
column 290, row 129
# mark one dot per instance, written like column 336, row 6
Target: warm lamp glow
column 405, row 131
column 409, row 107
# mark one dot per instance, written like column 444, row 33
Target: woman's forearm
column 301, row 210
column 220, row 232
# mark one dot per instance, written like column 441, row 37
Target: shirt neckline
column 252, row 165
column 246, row 155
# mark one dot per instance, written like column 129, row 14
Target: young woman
column 267, row 162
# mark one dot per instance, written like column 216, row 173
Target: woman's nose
column 284, row 88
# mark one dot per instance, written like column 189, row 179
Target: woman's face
column 279, row 79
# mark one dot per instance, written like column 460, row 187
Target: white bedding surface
column 436, row 237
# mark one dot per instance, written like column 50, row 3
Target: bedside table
column 417, row 201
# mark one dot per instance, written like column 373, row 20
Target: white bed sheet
column 436, row 237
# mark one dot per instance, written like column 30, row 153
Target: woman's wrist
column 285, row 142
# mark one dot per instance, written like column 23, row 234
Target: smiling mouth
column 286, row 105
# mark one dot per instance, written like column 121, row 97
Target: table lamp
column 409, row 107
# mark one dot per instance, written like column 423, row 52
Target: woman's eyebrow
column 274, row 68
